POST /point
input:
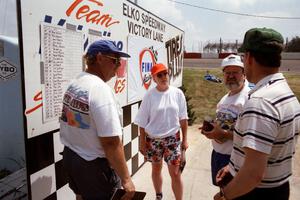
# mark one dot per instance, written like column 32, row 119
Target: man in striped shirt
column 266, row 131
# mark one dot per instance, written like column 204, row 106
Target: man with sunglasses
column 90, row 128
column 227, row 113
column 266, row 132
column 162, row 114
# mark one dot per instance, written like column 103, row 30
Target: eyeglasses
column 162, row 74
column 116, row 60
column 234, row 73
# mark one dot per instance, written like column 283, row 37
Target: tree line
column 290, row 46
column 293, row 45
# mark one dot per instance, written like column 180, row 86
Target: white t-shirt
column 160, row 112
column 89, row 112
column 227, row 112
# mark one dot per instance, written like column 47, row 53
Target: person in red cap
column 90, row 128
column 162, row 114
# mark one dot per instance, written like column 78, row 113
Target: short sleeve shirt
column 89, row 111
column 160, row 112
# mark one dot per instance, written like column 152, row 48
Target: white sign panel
column 61, row 51
column 151, row 40
column 57, row 33
column 139, row 74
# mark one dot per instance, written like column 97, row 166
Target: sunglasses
column 116, row 60
column 160, row 75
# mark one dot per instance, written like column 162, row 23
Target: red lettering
column 122, row 85
column 119, row 86
column 83, row 10
column 97, row 2
column 107, row 19
column 37, row 97
column 92, row 16
column 72, row 7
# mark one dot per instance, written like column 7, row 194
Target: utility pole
column 221, row 46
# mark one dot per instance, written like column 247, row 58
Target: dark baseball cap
column 105, row 47
column 261, row 40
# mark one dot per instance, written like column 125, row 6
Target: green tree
column 191, row 113
column 293, row 45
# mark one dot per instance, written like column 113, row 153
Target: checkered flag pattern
column 44, row 162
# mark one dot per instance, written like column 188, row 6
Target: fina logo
column 147, row 60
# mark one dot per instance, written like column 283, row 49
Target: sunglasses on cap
column 162, row 74
column 116, row 60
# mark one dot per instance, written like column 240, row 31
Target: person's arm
column 248, row 177
column 183, row 119
column 184, row 126
column 228, row 134
column 142, row 144
column 114, row 152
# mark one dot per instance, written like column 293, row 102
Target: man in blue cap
column 266, row 131
column 90, row 128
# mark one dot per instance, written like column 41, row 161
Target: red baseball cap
column 159, row 67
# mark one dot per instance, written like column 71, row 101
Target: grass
column 294, row 83
column 206, row 94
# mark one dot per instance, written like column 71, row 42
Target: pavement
column 196, row 175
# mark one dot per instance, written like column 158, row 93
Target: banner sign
column 57, row 33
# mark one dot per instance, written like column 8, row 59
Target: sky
column 203, row 26
column 200, row 25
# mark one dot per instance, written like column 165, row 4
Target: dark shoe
column 159, row 196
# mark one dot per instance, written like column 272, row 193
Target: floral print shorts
column 168, row 148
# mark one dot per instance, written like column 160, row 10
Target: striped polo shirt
column 269, row 123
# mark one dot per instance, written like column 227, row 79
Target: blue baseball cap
column 105, row 47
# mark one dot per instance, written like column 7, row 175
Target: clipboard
column 138, row 195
